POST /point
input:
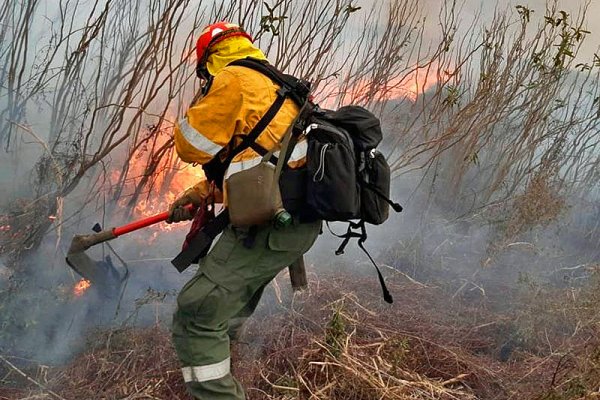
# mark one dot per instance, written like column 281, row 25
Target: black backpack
column 345, row 177
column 348, row 177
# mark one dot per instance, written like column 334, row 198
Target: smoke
column 44, row 319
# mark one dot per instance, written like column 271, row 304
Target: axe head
column 102, row 274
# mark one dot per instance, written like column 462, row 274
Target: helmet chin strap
column 202, row 73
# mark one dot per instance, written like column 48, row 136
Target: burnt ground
column 339, row 340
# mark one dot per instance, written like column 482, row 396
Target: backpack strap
column 300, row 88
column 299, row 93
column 289, row 87
column 362, row 237
column 216, row 167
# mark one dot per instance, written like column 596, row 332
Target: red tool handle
column 142, row 223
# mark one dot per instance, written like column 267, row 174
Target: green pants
column 228, row 285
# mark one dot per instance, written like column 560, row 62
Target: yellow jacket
column 234, row 104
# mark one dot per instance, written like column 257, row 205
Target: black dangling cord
column 343, row 245
column 387, row 296
column 397, row 207
column 362, row 237
column 347, row 236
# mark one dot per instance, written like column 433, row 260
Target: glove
column 177, row 211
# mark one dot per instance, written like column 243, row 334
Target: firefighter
column 231, row 278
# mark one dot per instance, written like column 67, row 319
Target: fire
column 407, row 87
column 184, row 177
column 81, row 287
column 171, row 179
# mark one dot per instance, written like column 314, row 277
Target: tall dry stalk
column 509, row 101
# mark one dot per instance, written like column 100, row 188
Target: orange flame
column 81, row 287
column 171, row 179
column 409, row 87
column 405, row 87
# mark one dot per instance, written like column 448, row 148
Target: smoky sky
column 469, row 9
column 573, row 7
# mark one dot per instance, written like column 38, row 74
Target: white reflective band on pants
column 298, row 154
column 197, row 139
column 203, row 373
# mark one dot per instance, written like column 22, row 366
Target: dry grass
column 120, row 364
column 351, row 349
column 341, row 341
column 540, row 204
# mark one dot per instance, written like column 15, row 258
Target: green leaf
column 473, row 157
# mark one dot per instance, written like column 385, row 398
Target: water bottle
column 282, row 218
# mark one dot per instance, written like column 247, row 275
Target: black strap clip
column 350, row 233
column 283, row 91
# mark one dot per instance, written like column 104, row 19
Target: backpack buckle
column 283, row 91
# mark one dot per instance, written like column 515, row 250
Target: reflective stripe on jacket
column 234, row 104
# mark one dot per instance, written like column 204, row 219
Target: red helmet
column 215, row 33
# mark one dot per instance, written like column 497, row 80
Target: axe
column 104, row 274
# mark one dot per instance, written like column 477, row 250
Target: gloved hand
column 177, row 211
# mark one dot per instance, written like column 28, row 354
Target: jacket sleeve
column 210, row 123
column 203, row 190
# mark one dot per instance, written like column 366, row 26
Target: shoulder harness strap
column 298, row 90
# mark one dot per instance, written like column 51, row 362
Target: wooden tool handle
column 298, row 274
